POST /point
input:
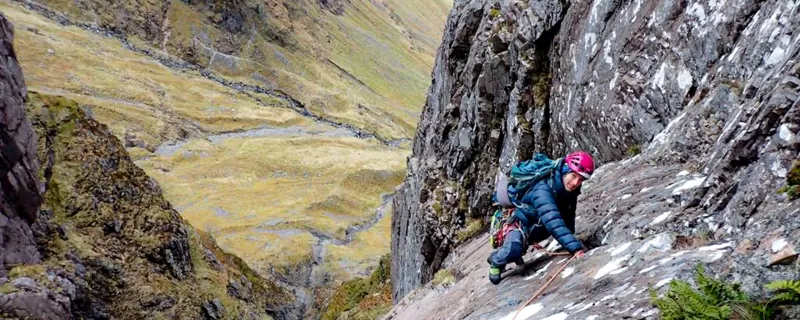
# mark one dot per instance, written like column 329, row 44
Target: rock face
column 20, row 192
column 102, row 242
column 705, row 95
column 20, row 188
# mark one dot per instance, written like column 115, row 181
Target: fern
column 712, row 300
column 786, row 292
column 785, row 285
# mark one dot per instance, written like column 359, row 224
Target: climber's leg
column 511, row 251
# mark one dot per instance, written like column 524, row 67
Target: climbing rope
column 553, row 277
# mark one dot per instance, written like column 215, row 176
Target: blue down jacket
column 553, row 214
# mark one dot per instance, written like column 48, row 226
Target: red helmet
column 580, row 162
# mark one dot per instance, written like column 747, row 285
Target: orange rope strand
column 553, row 277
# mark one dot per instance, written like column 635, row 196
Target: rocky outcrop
column 705, row 95
column 20, row 191
column 108, row 233
column 20, row 188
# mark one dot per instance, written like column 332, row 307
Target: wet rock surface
column 691, row 108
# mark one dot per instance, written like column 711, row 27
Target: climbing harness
column 553, row 277
column 501, row 225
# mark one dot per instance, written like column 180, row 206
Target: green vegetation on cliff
column 363, row 298
column 718, row 300
column 106, row 228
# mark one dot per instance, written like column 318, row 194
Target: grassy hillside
column 139, row 99
column 367, row 64
column 259, row 196
column 233, row 107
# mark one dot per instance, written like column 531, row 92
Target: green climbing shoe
column 494, row 274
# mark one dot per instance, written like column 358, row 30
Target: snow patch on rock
column 617, row 250
column 539, row 272
column 525, row 313
column 557, row 316
column 567, row 272
column 663, row 282
column 661, row 218
column 685, row 80
column 716, row 247
column 785, row 134
column 778, row 245
column 688, row 185
column 648, row 269
column 610, row 267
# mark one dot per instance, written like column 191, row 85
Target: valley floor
column 298, row 198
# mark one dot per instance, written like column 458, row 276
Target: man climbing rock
column 547, row 207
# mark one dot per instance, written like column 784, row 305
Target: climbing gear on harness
column 581, row 163
column 503, row 223
column 553, row 277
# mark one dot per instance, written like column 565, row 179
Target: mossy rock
column 104, row 216
column 443, row 276
column 792, row 187
column 346, row 297
column 473, row 228
column 793, row 178
column 634, row 150
column 363, row 298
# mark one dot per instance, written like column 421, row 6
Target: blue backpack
column 523, row 175
column 509, row 191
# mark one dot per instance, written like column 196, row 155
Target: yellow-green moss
column 346, row 297
column 363, row 298
column 541, row 88
column 793, row 177
column 383, row 273
column 36, row 271
column 463, row 200
column 443, row 276
column 7, row 288
column 792, row 187
column 473, row 228
column 523, row 123
column 634, row 150
column 437, row 208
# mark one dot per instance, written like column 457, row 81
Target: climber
column 546, row 208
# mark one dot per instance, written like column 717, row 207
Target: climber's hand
column 536, row 246
column 579, row 254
